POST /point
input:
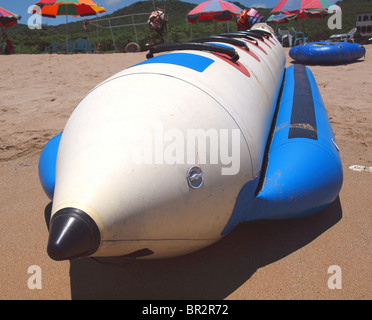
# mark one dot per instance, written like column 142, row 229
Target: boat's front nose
column 72, row 234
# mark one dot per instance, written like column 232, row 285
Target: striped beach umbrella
column 293, row 9
column 54, row 8
column 218, row 10
column 7, row 18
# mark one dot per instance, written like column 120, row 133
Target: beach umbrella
column 287, row 10
column 279, row 18
column 217, row 10
column 7, row 18
column 54, row 8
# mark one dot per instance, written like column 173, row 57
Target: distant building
column 364, row 24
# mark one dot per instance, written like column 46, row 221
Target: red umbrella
column 287, row 10
column 218, row 10
column 53, row 8
column 293, row 9
column 7, row 19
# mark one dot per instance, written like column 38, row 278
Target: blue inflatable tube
column 302, row 173
column 47, row 165
column 327, row 52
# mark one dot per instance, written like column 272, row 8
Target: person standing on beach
column 9, row 49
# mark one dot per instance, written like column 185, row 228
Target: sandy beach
column 286, row 259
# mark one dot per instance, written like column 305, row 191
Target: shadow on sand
column 211, row 273
column 327, row 64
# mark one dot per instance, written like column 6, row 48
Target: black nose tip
column 72, row 234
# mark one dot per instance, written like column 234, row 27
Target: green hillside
column 34, row 41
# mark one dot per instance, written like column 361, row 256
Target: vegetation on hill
column 35, row 41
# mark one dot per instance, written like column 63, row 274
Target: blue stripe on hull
column 188, row 60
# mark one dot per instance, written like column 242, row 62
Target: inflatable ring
column 327, row 52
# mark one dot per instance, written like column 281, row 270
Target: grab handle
column 263, row 33
column 222, row 39
column 253, row 34
column 238, row 35
column 192, row 46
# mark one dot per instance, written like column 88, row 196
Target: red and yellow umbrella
column 54, row 8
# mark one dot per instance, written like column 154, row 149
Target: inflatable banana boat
column 169, row 155
column 327, row 52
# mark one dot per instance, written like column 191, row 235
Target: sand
column 286, row 259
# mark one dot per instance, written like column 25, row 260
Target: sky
column 20, row 7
